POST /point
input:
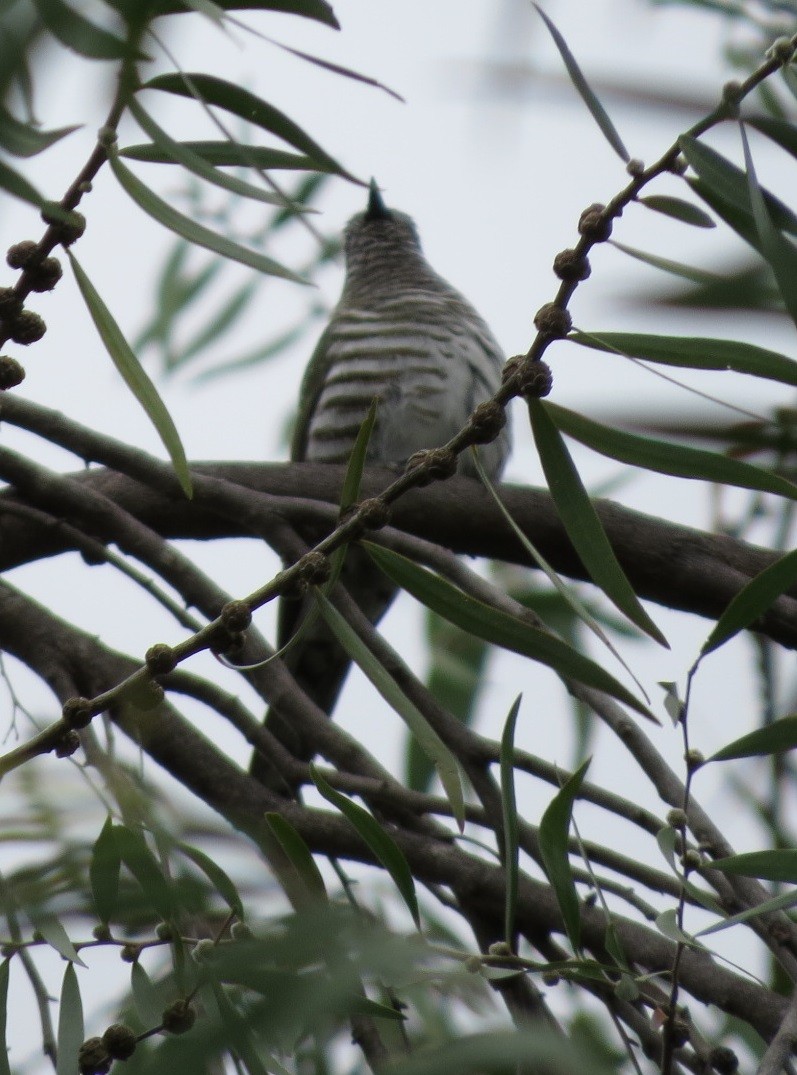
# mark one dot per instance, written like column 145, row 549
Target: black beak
column 377, row 210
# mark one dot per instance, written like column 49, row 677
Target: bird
column 403, row 337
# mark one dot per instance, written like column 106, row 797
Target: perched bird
column 400, row 335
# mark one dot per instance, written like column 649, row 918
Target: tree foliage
column 379, row 918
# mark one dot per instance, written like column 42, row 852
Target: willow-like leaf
column 70, row 1024
column 510, row 821
column 678, row 209
column 753, row 601
column 554, row 835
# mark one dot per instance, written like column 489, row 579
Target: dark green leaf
column 195, row 164
column 731, row 183
column 217, row 877
column 384, row 847
column 784, row 134
column 229, row 154
column 430, row 741
column 70, row 1024
column 780, row 254
column 753, row 600
column 319, row 10
column 16, row 184
column 145, row 996
column 104, row 872
column 599, row 113
column 143, row 865
column 554, row 835
column 56, row 936
column 135, row 377
column 80, row 34
column 678, row 209
column 25, row 139
column 300, row 857
column 510, row 821
column 5, row 1068
column 581, row 521
column 498, row 627
column 666, row 458
column 195, row 233
column 767, row 865
column 775, row 738
column 252, row 109
column 675, row 268
column 694, row 352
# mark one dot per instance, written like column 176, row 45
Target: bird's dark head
column 379, row 231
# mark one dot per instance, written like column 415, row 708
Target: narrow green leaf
column 195, row 164
column 780, row 254
column 104, row 872
column 775, row 738
column 667, row 458
column 554, row 834
column 145, row 996
column 667, row 924
column 299, row 855
column 26, row 139
column 383, row 845
column 429, row 740
column 510, row 821
column 694, row 352
column 356, row 464
column 497, row 627
column 70, row 1024
column 597, row 110
column 80, row 34
column 678, row 209
column 672, row 701
column 753, row 600
column 569, row 596
column 217, row 877
column 56, row 936
column 252, row 109
column 779, row 131
column 674, row 268
column 143, row 865
column 195, row 233
column 134, row 375
column 17, row 185
column 778, row 903
column 581, row 521
column 780, row 865
column 731, row 183
column 319, row 10
column 5, row 1067
column 226, row 154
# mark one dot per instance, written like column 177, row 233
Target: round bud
column 11, row 373
column 314, row 568
column 67, row 745
column 26, row 328
column 160, row 659
column 635, row 167
column 432, row 464
column 76, row 712
column 164, row 931
column 373, row 513
column 782, row 50
column 551, row 320
column 731, row 96
column 102, row 933
column 236, row 616
column 239, row 931
column 93, row 1058
column 594, row 224
column 130, row 953
column 69, row 224
column 473, row 964
column 179, row 1017
column 203, row 951
column 723, row 1060
column 535, row 379
column 10, row 304
column 679, row 165
column 570, row 265
column 19, row 254
column 694, row 759
column 107, row 136
column 499, row 948
column 120, row 1041
column 677, row 819
column 486, row 422
column 692, row 859
column 45, row 275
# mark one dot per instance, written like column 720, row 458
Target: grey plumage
column 402, row 335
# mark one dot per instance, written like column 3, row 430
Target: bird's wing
column 312, row 385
